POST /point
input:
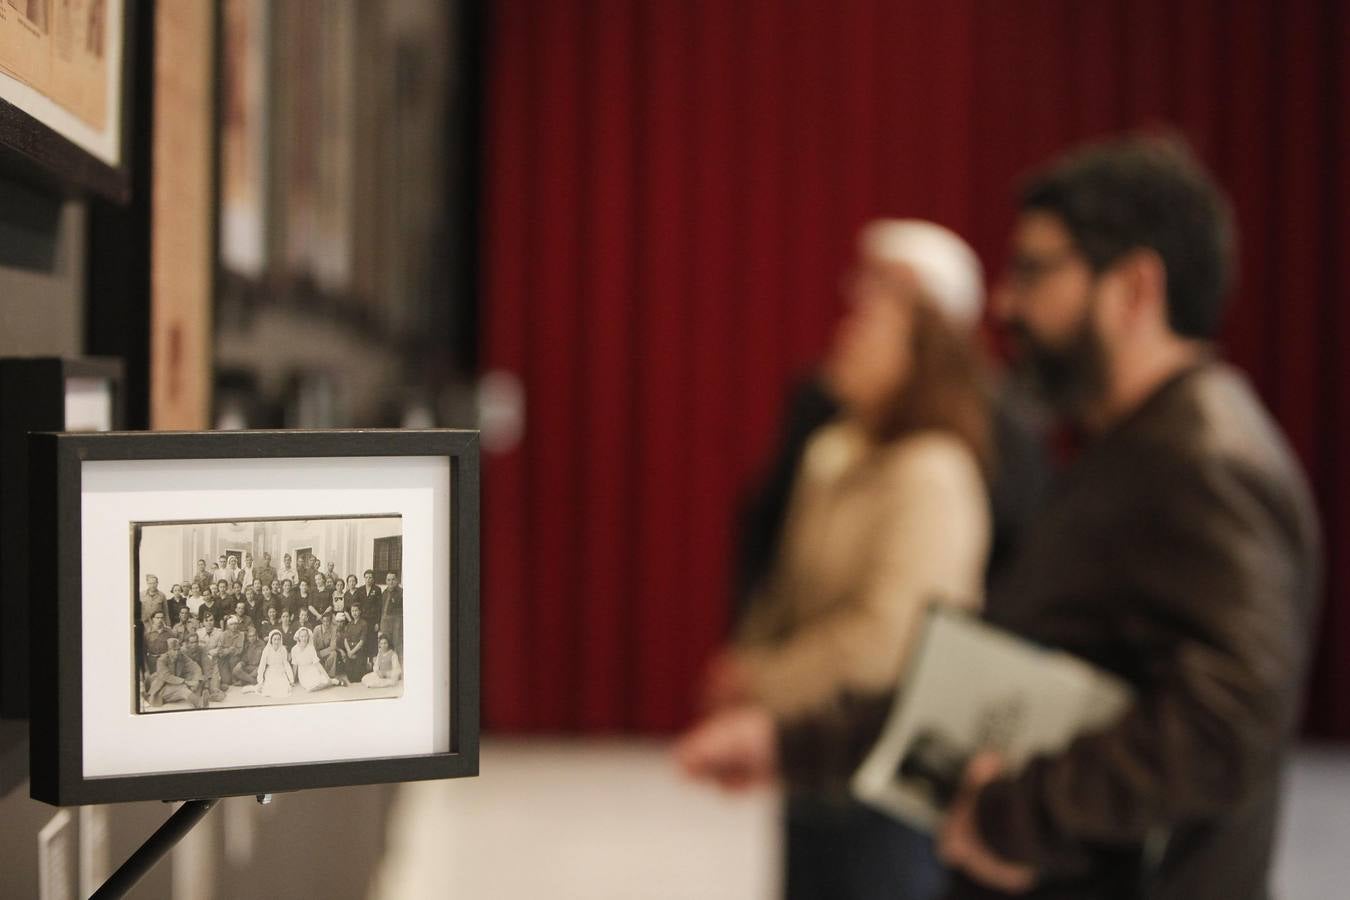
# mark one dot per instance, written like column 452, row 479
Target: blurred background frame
column 345, row 147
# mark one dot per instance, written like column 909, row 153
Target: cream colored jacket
column 873, row 534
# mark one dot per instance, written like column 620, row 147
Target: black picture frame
column 56, row 742
column 32, row 398
column 34, row 152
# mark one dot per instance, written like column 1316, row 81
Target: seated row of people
column 313, row 666
column 343, row 647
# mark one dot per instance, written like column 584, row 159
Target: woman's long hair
column 946, row 389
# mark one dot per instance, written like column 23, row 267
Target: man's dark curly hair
column 1146, row 192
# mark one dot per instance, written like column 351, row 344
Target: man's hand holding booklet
column 972, row 688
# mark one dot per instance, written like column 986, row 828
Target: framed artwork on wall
column 233, row 687
column 64, row 90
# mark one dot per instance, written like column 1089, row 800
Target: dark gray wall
column 41, row 273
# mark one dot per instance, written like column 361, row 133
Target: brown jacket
column 1181, row 551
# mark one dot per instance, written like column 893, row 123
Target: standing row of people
column 381, row 604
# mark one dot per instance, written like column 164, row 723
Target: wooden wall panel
column 182, row 235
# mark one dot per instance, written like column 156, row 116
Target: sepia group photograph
column 257, row 612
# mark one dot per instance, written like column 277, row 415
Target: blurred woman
column 888, row 511
column 387, row 671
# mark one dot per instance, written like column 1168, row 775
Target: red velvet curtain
column 672, row 193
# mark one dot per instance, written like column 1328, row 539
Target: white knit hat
column 947, row 268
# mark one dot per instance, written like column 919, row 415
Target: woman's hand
column 736, row 749
column 726, row 682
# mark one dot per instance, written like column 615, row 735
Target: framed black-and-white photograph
column 221, row 627
column 252, row 612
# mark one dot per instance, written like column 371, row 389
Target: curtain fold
column 672, row 190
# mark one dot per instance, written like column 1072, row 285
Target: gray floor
column 577, row 820
column 611, row 819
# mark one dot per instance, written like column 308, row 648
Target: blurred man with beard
column 1180, row 551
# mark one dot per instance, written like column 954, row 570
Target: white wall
column 171, row 552
column 348, row 543
column 162, row 555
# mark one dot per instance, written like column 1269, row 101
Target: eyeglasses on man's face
column 1026, row 268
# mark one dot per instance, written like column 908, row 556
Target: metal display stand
column 157, row 847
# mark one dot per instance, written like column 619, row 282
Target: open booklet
column 970, row 687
